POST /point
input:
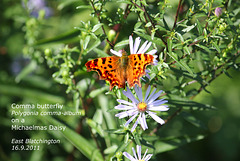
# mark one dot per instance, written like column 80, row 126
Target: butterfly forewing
column 137, row 66
column 108, row 69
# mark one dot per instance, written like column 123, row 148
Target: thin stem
column 143, row 8
column 99, row 19
column 209, row 13
column 96, row 142
column 176, row 17
column 158, row 34
column 127, row 11
column 204, row 86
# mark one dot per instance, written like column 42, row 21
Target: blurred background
column 24, row 81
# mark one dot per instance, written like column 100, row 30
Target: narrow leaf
column 27, row 70
column 83, row 145
column 173, row 143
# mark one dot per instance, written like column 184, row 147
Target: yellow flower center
column 142, row 106
column 141, row 160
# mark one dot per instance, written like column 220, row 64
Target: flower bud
column 111, row 35
column 218, row 11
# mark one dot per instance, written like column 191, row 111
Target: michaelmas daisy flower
column 139, row 107
column 134, row 48
column 137, row 157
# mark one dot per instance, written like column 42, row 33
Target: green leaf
column 94, row 45
column 71, row 36
column 203, row 47
column 182, row 64
column 137, row 25
column 121, row 44
column 180, row 37
column 124, row 1
column 199, row 27
column 173, row 143
column 76, row 101
column 169, row 44
column 110, row 149
column 188, row 104
column 100, row 52
column 84, row 7
column 34, row 94
column 148, row 24
column 98, row 91
column 216, row 46
column 193, row 120
column 83, row 145
column 189, row 28
column 27, row 70
column 166, row 24
column 186, row 49
column 85, row 42
column 66, row 3
column 95, row 127
column 96, row 27
column 104, row 104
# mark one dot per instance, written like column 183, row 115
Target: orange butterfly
column 122, row 67
column 118, row 70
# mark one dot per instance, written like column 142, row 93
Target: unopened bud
column 111, row 35
column 218, row 11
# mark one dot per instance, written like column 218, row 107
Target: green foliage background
column 42, row 61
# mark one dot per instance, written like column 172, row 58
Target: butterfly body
column 118, row 70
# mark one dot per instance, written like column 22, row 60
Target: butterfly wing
column 136, row 67
column 108, row 69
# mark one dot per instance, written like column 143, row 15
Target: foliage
column 194, row 47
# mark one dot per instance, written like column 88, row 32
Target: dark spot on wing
column 139, row 56
column 95, row 62
column 110, row 66
column 103, row 60
column 145, row 55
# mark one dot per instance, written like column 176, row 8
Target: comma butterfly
column 117, row 70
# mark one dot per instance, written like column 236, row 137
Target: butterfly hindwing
column 136, row 67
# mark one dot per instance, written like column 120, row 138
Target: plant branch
column 127, row 11
column 143, row 8
column 209, row 13
column 176, row 17
column 99, row 20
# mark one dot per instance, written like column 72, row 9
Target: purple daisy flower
column 137, row 157
column 134, row 48
column 140, row 106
